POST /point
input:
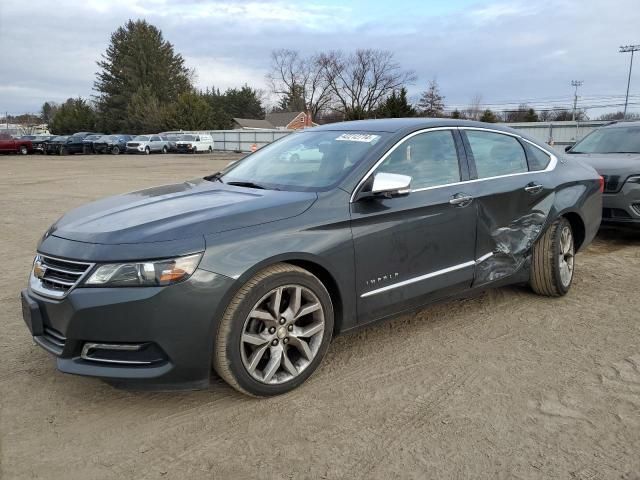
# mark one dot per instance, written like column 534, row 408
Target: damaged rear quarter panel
column 511, row 220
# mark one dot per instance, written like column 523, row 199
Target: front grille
column 56, row 277
column 611, row 183
column 132, row 145
column 636, row 208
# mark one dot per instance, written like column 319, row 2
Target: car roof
column 623, row 124
column 393, row 125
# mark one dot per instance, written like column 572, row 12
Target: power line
column 576, row 84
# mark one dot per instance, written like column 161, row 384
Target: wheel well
column 330, row 284
column 577, row 226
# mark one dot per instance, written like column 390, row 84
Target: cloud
column 502, row 50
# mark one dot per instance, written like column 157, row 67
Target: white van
column 194, row 143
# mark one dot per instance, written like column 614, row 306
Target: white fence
column 239, row 140
column 557, row 134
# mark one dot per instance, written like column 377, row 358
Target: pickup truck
column 15, row 145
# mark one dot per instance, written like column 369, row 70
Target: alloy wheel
column 567, row 256
column 282, row 334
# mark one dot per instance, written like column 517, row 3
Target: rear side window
column 538, row 160
column 429, row 158
column 496, row 154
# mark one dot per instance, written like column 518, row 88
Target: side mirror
column 390, row 185
column 567, row 148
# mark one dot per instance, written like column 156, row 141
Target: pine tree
column 431, row 102
column 137, row 57
column 74, row 115
column 396, row 106
column 488, row 116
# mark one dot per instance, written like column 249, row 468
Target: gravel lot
column 503, row 385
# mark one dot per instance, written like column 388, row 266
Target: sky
column 503, row 51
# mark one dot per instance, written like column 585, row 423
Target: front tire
column 23, row 150
column 553, row 260
column 275, row 331
column 165, row 149
column 115, row 150
column 147, row 151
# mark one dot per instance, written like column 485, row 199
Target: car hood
column 178, row 211
column 611, row 163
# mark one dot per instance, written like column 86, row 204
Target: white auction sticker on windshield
column 357, row 137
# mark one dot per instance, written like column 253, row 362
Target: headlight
column 144, row 274
column 634, row 179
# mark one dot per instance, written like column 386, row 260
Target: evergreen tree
column 74, row 115
column 243, row 102
column 137, row 57
column 431, row 102
column 145, row 113
column 191, row 111
column 396, row 106
column 488, row 116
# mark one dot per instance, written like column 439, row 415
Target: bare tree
column 475, row 107
column 361, row 81
column 299, row 80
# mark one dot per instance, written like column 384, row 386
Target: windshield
column 141, row 138
column 107, row 138
column 187, row 138
column 610, row 140
column 306, row 161
column 90, row 138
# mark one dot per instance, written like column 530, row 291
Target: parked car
column 172, row 140
column 614, row 151
column 37, row 141
column 8, row 144
column 54, row 145
column 87, row 142
column 114, row 144
column 304, row 154
column 75, row 143
column 195, row 143
column 147, row 144
column 255, row 269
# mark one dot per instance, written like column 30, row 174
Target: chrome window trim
column 550, row 167
column 426, row 276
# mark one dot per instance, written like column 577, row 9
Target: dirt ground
column 503, row 385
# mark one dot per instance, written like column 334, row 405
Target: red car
column 9, row 144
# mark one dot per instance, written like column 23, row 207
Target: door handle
column 461, row 200
column 533, row 188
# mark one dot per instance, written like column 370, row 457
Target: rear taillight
column 601, row 184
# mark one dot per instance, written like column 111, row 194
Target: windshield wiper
column 250, row 185
column 214, row 177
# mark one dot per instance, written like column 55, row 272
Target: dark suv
column 253, row 270
column 75, row 143
column 614, row 151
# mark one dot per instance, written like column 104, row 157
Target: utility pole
column 627, row 49
column 576, row 84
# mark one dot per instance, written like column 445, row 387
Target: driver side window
column 429, row 158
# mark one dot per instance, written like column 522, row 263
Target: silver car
column 147, row 144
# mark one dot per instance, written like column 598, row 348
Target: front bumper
column 622, row 207
column 171, row 327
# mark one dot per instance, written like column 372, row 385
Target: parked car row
column 97, row 143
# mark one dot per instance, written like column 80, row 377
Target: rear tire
column 553, row 260
column 269, row 343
